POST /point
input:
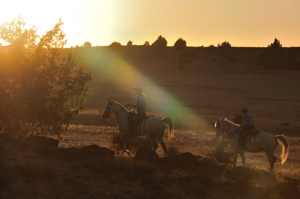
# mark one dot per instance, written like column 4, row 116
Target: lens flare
column 117, row 70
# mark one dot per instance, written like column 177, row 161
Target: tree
column 160, row 42
column 41, row 89
column 129, row 43
column 180, row 44
column 225, row 44
column 146, row 43
column 275, row 45
column 273, row 56
column 159, row 47
column 87, row 44
column 116, row 46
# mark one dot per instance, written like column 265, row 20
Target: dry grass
column 213, row 85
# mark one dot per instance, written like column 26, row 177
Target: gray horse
column 265, row 142
column 152, row 127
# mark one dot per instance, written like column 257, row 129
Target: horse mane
column 121, row 106
column 227, row 120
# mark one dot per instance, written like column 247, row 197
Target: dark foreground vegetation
column 31, row 170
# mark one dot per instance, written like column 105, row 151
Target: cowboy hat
column 244, row 108
column 138, row 89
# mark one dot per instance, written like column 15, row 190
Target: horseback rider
column 141, row 110
column 246, row 128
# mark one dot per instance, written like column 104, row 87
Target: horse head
column 225, row 125
column 219, row 131
column 108, row 109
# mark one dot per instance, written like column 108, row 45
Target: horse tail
column 281, row 139
column 168, row 122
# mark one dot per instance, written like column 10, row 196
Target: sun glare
column 123, row 74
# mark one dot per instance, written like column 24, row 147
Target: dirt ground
column 209, row 85
column 194, row 95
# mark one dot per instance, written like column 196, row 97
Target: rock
column 97, row 151
column 186, row 160
column 243, row 188
column 37, row 143
column 287, row 190
column 146, row 154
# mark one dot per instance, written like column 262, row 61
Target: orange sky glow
column 249, row 23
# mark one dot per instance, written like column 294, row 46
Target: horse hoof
column 126, row 151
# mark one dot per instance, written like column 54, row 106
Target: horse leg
column 161, row 141
column 154, row 143
column 243, row 157
column 122, row 144
column 272, row 159
column 235, row 158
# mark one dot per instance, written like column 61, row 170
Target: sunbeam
column 109, row 68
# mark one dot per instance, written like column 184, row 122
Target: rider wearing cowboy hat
column 247, row 127
column 141, row 108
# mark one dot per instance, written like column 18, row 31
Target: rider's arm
column 133, row 105
column 139, row 103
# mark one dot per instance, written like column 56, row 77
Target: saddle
column 139, row 121
column 134, row 124
column 250, row 134
column 255, row 132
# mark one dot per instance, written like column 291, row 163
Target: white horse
column 265, row 142
column 152, row 127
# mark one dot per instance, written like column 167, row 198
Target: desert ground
column 194, row 94
column 211, row 86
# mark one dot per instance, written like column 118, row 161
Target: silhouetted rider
column 141, row 109
column 246, row 128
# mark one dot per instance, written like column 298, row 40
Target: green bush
column 41, row 89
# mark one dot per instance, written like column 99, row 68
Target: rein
column 230, row 135
column 115, row 112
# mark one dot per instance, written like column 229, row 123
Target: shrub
column 115, row 47
column 275, row 45
column 225, row 50
column 275, row 57
column 180, row 44
column 41, row 89
column 87, row 44
column 172, row 151
column 129, row 43
column 146, row 43
column 159, row 47
column 225, row 44
column 160, row 42
column 221, row 153
column 132, row 144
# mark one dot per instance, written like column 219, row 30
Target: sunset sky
column 250, row 23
